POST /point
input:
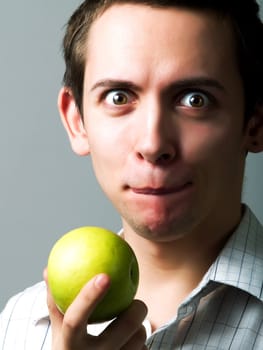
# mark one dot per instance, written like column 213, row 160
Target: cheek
column 210, row 143
column 108, row 153
column 217, row 158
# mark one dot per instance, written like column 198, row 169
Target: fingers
column 127, row 330
column 70, row 330
column 56, row 317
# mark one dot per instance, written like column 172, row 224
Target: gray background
column 45, row 189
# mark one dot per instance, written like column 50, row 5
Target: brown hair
column 244, row 16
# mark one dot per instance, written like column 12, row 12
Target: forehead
column 130, row 39
column 124, row 17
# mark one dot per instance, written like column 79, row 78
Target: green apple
column 85, row 252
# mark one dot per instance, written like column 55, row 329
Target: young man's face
column 163, row 119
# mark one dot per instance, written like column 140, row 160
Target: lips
column 161, row 190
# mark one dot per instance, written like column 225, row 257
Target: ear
column 72, row 121
column 254, row 131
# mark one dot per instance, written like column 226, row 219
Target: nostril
column 164, row 158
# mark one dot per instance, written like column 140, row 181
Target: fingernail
column 102, row 281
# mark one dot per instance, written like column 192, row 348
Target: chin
column 162, row 222
column 163, row 230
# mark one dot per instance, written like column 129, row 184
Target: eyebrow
column 197, row 82
column 180, row 84
column 112, row 83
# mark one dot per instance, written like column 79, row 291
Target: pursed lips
column 161, row 190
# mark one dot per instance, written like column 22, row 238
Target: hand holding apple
column 85, row 252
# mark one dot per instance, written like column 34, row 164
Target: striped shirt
column 225, row 311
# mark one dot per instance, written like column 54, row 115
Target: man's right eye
column 117, row 98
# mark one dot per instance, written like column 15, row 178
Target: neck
column 173, row 259
column 187, row 257
column 174, row 268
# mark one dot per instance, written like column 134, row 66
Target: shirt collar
column 240, row 263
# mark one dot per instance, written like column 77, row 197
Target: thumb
column 75, row 321
column 89, row 296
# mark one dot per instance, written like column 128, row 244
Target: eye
column 117, row 98
column 195, row 100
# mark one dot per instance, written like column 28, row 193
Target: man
column 166, row 98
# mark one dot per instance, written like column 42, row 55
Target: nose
column 157, row 141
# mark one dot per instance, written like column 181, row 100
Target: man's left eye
column 195, row 100
column 117, row 98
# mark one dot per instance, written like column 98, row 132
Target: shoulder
column 24, row 304
column 24, row 319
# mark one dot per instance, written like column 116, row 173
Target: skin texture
column 163, row 121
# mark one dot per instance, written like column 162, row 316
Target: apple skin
column 85, row 252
